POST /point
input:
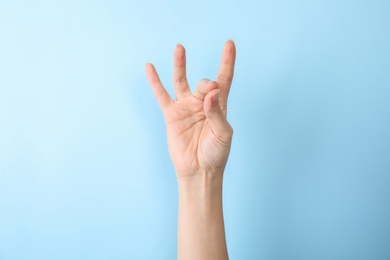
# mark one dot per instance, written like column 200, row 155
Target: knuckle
column 181, row 81
column 229, row 130
column 225, row 78
column 227, row 133
column 224, row 109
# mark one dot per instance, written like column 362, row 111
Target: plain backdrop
column 84, row 166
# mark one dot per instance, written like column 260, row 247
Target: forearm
column 201, row 233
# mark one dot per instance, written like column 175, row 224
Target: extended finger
column 180, row 83
column 204, row 87
column 226, row 71
column 162, row 96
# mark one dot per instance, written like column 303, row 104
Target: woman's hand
column 199, row 135
column 199, row 139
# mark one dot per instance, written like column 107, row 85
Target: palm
column 199, row 136
column 192, row 144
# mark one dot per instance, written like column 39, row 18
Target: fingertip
column 212, row 85
column 179, row 47
column 230, row 42
column 151, row 73
column 215, row 98
column 179, row 56
column 213, row 88
column 212, row 100
column 230, row 49
column 219, row 125
column 149, row 66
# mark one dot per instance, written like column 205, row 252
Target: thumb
column 219, row 125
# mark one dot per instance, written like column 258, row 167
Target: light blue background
column 84, row 168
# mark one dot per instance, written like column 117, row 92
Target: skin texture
column 199, row 140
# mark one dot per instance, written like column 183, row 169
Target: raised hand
column 198, row 133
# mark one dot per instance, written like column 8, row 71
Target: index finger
column 161, row 94
column 225, row 73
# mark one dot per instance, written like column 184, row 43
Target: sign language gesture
column 198, row 133
column 199, row 139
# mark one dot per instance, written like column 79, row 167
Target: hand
column 199, row 136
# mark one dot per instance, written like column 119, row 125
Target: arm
column 199, row 139
column 201, row 233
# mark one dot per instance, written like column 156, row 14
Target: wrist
column 201, row 194
column 200, row 182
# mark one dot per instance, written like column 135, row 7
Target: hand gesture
column 199, row 136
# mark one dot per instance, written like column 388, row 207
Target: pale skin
column 199, row 139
